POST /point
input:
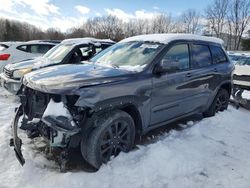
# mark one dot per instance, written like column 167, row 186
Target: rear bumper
column 9, row 84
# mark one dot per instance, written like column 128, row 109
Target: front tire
column 115, row 133
column 220, row 103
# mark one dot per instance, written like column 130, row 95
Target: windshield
column 236, row 57
column 58, row 53
column 132, row 56
column 245, row 61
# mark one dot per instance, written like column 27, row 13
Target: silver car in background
column 13, row 52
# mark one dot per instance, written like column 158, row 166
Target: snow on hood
column 242, row 70
column 166, row 38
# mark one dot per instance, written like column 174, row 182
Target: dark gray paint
column 158, row 98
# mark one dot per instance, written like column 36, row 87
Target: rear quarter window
column 201, row 55
column 35, row 48
column 218, row 54
column 42, row 49
column 3, row 47
column 22, row 48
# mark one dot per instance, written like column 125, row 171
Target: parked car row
column 103, row 104
column 69, row 51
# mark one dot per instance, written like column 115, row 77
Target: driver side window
column 178, row 55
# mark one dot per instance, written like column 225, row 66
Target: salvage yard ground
column 212, row 152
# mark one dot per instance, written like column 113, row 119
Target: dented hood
column 67, row 79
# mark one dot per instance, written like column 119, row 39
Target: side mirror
column 166, row 65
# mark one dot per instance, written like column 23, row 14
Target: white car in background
column 241, row 80
column 69, row 51
column 13, row 52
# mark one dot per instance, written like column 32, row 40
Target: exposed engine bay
column 53, row 117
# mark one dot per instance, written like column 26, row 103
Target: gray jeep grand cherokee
column 138, row 84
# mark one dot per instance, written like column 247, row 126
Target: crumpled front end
column 53, row 117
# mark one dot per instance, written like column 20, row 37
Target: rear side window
column 42, row 49
column 201, row 56
column 218, row 54
column 3, row 47
column 179, row 54
column 22, row 48
column 35, row 48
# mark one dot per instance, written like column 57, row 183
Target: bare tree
column 55, row 34
column 130, row 28
column 161, row 23
column 228, row 20
column 216, row 15
column 190, row 19
column 239, row 18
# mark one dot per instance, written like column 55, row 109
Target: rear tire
column 115, row 133
column 220, row 103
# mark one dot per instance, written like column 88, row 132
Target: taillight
column 4, row 57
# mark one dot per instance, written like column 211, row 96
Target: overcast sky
column 64, row 14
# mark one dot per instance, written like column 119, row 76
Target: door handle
column 189, row 75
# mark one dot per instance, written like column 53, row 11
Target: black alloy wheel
column 220, row 103
column 115, row 133
column 115, row 139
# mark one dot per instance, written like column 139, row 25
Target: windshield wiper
column 115, row 66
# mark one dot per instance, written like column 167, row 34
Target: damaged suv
column 136, row 85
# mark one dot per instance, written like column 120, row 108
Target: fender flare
column 100, row 109
column 117, row 102
column 217, row 89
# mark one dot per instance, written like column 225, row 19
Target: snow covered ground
column 213, row 152
column 246, row 95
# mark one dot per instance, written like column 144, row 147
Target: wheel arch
column 135, row 114
column 227, row 86
column 130, row 105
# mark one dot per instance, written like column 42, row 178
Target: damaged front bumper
column 9, row 84
column 56, row 129
column 16, row 142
